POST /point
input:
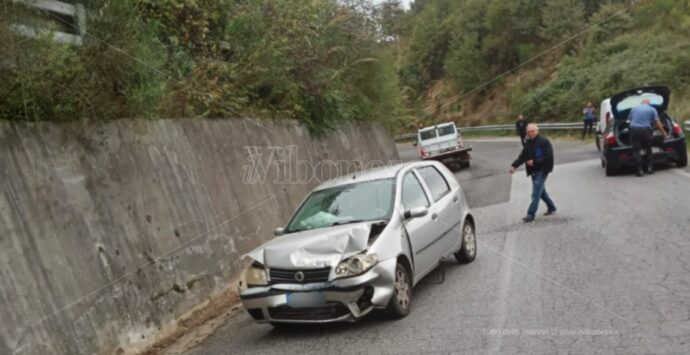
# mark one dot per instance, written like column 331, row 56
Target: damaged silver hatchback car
column 359, row 243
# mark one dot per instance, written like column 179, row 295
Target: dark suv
column 617, row 151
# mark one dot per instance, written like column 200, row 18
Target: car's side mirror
column 279, row 231
column 416, row 212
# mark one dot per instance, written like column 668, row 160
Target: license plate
column 305, row 299
column 656, row 150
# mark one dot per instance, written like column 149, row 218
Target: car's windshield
column 428, row 134
column 364, row 201
column 446, row 130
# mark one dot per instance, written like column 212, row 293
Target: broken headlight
column 255, row 275
column 355, row 265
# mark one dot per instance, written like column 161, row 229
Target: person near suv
column 588, row 119
column 537, row 154
column 642, row 117
column 521, row 128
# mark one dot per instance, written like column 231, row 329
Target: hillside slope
column 480, row 62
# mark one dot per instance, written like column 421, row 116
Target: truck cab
column 443, row 142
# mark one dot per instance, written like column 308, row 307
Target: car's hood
column 623, row 102
column 313, row 248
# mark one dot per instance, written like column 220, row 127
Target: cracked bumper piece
column 334, row 301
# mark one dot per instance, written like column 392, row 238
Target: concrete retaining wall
column 109, row 232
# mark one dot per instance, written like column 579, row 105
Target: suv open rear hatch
column 622, row 103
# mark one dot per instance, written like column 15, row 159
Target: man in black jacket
column 521, row 128
column 537, row 154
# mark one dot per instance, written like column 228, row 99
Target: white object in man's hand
column 530, row 162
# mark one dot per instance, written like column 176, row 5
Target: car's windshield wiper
column 347, row 222
column 296, row 230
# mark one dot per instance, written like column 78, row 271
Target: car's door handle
column 455, row 199
column 434, row 216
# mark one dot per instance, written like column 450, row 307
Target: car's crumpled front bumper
column 333, row 301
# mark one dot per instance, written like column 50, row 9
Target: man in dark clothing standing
column 521, row 128
column 537, row 154
column 641, row 119
column 588, row 119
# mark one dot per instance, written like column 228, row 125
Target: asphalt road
column 609, row 273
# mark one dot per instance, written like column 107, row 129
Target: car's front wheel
column 468, row 250
column 399, row 305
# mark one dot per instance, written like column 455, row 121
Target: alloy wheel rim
column 402, row 289
column 470, row 241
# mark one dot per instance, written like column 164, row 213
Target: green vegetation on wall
column 321, row 62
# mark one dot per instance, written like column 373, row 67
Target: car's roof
column 385, row 172
column 436, row 126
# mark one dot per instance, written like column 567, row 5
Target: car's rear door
column 446, row 205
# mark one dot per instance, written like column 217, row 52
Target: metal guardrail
column 55, row 9
column 404, row 137
column 508, row 127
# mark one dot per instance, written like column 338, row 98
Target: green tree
column 391, row 18
column 465, row 65
column 499, row 47
column 428, row 45
column 562, row 19
column 610, row 21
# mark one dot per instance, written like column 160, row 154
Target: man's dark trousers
column 539, row 192
column 641, row 138
column 587, row 128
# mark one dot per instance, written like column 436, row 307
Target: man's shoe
column 650, row 171
column 528, row 219
column 550, row 212
column 638, row 173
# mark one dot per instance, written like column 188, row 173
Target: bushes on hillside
column 607, row 68
column 320, row 62
column 561, row 61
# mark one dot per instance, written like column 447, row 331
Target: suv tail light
column 677, row 130
column 608, row 117
column 611, row 139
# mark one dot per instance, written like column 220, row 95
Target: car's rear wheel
column 610, row 171
column 399, row 305
column 683, row 160
column 468, row 250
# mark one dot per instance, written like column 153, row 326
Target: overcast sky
column 404, row 3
